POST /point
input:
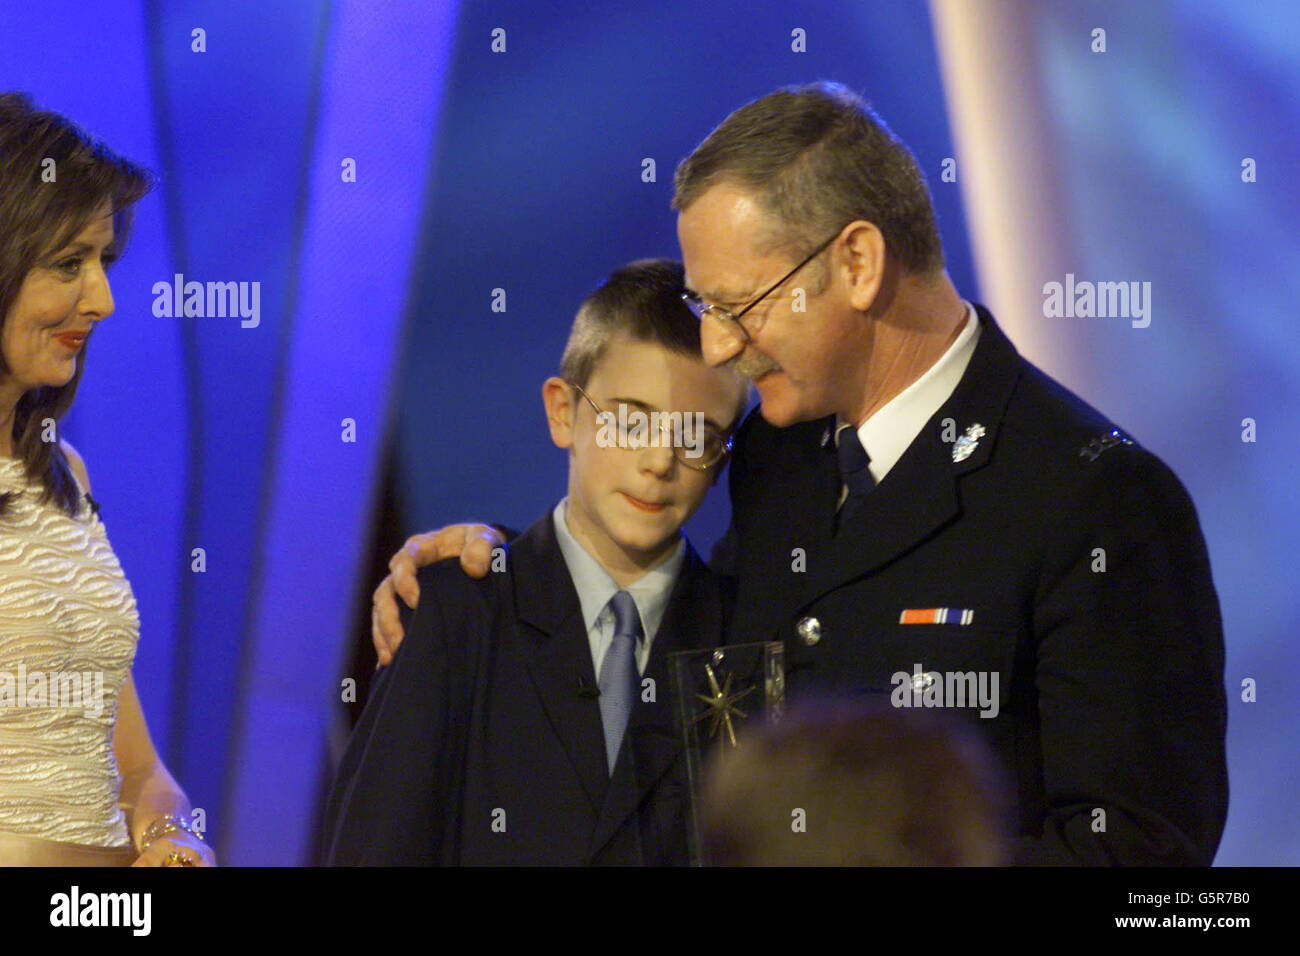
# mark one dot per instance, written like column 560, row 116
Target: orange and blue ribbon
column 937, row 615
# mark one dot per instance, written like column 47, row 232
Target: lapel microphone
column 587, row 691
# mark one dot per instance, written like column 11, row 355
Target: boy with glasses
column 527, row 717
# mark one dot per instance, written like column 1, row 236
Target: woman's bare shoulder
column 77, row 463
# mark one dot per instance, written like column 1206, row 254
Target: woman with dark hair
column 80, row 781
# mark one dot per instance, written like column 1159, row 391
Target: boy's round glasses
column 628, row 430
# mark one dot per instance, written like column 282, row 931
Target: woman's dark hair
column 53, row 179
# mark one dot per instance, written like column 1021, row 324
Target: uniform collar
column 923, row 495
column 893, row 427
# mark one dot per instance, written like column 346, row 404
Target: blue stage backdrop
column 380, row 171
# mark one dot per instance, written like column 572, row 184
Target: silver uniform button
column 921, row 681
column 809, row 630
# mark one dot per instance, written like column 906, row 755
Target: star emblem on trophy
column 721, row 705
column 708, row 688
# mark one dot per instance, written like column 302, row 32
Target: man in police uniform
column 921, row 513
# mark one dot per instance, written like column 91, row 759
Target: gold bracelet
column 164, row 825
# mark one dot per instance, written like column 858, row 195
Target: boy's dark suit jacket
column 482, row 744
column 1084, row 564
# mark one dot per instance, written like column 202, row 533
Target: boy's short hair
column 642, row 299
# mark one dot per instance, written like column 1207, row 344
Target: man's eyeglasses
column 731, row 320
column 635, row 430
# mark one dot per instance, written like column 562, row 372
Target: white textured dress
column 68, row 633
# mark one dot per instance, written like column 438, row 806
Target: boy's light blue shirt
column 595, row 588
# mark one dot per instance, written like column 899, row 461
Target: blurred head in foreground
column 846, row 784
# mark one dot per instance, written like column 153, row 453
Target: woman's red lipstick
column 73, row 340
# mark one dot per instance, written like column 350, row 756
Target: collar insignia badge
column 965, row 445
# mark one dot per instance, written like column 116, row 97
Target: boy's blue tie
column 618, row 683
column 855, row 474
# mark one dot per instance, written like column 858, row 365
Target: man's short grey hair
column 817, row 158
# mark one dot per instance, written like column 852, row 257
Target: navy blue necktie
column 618, row 675
column 855, row 474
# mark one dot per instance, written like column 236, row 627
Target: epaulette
column 1092, row 451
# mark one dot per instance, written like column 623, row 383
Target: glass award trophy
column 719, row 692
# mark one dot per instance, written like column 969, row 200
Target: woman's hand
column 178, row 841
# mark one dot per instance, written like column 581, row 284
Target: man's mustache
column 753, row 364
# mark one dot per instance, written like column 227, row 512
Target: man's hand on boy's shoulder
column 472, row 542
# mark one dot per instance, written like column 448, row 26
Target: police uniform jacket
column 1032, row 539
